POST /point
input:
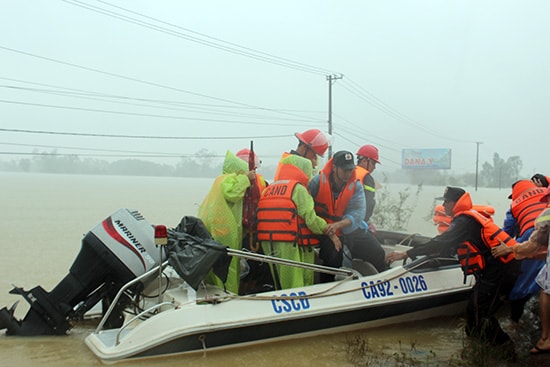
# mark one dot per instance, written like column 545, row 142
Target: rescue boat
column 183, row 315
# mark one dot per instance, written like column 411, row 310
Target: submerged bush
column 393, row 212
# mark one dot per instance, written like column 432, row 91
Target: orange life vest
column 278, row 218
column 443, row 221
column 279, row 166
column 360, row 173
column 527, row 206
column 486, row 210
column 326, row 206
column 472, row 258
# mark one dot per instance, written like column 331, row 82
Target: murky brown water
column 43, row 218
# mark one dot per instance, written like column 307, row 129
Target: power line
column 141, row 81
column 131, row 153
column 359, row 144
column 88, row 96
column 368, row 97
column 85, row 149
column 160, row 101
column 207, row 41
column 136, row 114
column 356, row 130
column 362, row 93
column 102, row 155
column 191, row 107
column 143, row 136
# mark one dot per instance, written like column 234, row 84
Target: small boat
column 183, row 315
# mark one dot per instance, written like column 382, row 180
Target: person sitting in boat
column 519, row 223
column 471, row 236
column 312, row 144
column 288, row 225
column 340, row 200
column 222, row 211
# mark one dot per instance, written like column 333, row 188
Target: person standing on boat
column 222, row 212
column 464, row 236
column 367, row 159
column 288, row 225
column 312, row 144
column 340, row 200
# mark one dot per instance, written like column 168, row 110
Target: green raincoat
column 222, row 213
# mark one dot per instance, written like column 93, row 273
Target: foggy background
column 162, row 80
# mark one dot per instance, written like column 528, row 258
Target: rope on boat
column 325, row 292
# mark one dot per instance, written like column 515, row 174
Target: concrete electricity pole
column 331, row 79
column 477, row 159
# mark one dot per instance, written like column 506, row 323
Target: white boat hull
column 217, row 321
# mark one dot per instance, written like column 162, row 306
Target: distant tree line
column 198, row 165
column 499, row 173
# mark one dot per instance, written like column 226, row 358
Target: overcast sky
column 416, row 74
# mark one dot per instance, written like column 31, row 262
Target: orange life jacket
column 326, row 206
column 486, row 210
column 527, row 206
column 278, row 218
column 360, row 173
column 472, row 258
column 443, row 221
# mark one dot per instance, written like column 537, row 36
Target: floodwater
column 43, row 218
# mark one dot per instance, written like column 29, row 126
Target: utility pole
column 331, row 79
column 477, row 159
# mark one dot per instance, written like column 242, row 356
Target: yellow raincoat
column 222, row 212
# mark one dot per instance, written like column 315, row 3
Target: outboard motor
column 117, row 250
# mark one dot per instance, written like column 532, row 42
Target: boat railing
column 136, row 317
column 298, row 264
column 123, row 289
column 230, row 252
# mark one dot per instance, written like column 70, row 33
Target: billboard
column 426, row 158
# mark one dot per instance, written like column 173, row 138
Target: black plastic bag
column 192, row 252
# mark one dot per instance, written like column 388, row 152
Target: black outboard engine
column 117, row 250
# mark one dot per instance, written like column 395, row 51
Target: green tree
column 202, row 164
column 501, row 173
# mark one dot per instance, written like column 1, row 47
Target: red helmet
column 244, row 154
column 315, row 140
column 369, row 151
